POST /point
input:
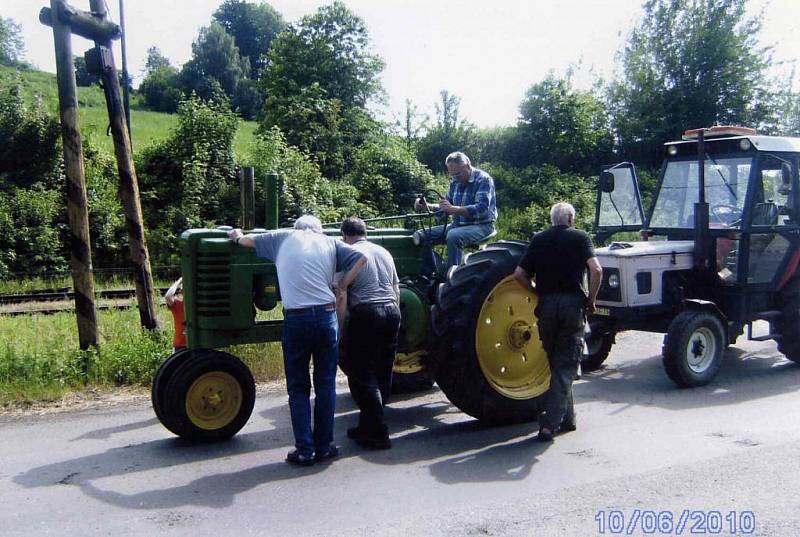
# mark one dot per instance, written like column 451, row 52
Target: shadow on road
column 744, row 376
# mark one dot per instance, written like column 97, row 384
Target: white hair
column 561, row 212
column 457, row 157
column 308, row 222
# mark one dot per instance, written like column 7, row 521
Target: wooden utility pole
column 95, row 25
column 77, row 213
column 247, row 187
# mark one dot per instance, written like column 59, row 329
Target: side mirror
column 606, row 182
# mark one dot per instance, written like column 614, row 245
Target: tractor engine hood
column 643, row 248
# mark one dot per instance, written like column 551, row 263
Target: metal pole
column 702, row 238
column 129, row 185
column 125, row 90
column 77, row 212
column 247, row 188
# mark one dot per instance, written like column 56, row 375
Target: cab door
column 618, row 205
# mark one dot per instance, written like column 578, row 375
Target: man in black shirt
column 557, row 259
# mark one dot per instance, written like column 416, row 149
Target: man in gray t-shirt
column 371, row 335
column 307, row 260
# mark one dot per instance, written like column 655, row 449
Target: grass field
column 147, row 127
column 40, row 359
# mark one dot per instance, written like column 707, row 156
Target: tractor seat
column 765, row 214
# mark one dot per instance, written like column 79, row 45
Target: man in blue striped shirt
column 471, row 203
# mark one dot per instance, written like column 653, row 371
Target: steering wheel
column 433, row 216
column 727, row 215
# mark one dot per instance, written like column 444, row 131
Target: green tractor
column 471, row 328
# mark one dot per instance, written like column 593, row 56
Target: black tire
column 216, row 408
column 162, row 378
column 694, row 346
column 457, row 368
column 599, row 345
column 788, row 326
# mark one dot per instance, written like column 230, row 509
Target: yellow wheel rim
column 213, row 400
column 408, row 363
column 507, row 342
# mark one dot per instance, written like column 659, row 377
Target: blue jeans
column 306, row 335
column 457, row 238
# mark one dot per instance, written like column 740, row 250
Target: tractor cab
column 721, row 241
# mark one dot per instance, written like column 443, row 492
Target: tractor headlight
column 613, row 281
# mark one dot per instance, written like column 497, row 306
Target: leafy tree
column 388, row 176
column 215, row 59
column 449, row 133
column 29, row 152
column 189, row 180
column 412, row 125
column 12, row 48
column 253, row 27
column 689, row 63
column 303, row 188
column 161, row 86
column 155, row 61
column 319, row 79
column 562, row 126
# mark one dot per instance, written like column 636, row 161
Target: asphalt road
column 645, row 453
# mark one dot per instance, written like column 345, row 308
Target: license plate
column 601, row 311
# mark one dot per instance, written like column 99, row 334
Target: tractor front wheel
column 598, row 346
column 209, row 396
column 693, row 348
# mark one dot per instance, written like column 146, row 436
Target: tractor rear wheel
column 209, row 396
column 693, row 348
column 489, row 361
column 789, row 324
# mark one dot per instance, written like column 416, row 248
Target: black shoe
column 567, row 427
column 332, row 453
column 545, row 435
column 369, row 440
column 298, row 459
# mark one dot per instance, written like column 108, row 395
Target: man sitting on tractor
column 471, row 203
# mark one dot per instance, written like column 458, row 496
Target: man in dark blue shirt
column 471, row 203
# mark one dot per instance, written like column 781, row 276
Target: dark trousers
column 561, row 322
column 371, row 337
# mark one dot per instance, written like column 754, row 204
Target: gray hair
column 308, row 222
column 561, row 212
column 457, row 157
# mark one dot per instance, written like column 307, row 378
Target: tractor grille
column 213, row 284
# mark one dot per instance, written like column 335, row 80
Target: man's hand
column 241, row 239
column 447, row 207
column 591, row 307
column 235, row 234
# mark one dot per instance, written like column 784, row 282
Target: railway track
column 61, row 296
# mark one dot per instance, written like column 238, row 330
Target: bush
column 189, row 179
column 388, row 176
column 303, row 189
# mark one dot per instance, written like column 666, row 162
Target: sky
column 486, row 52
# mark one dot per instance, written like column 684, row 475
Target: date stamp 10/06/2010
column 683, row 522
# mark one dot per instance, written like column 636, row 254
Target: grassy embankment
column 39, row 356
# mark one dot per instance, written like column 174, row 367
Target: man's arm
column 524, row 279
column 479, row 209
column 595, row 278
column 351, row 274
column 241, row 239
